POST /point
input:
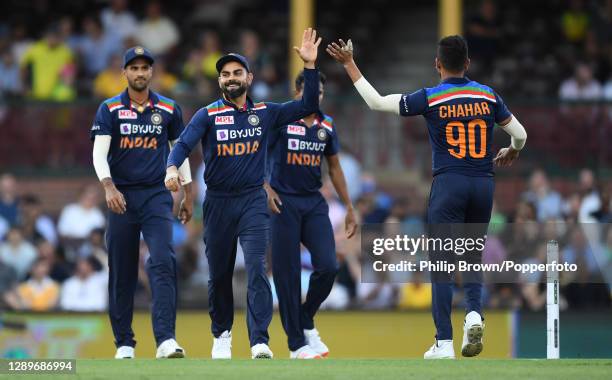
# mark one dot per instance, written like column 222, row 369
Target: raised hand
column 341, row 51
column 310, row 45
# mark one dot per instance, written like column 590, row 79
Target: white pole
column 552, row 302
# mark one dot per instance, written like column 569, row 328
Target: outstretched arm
column 343, row 53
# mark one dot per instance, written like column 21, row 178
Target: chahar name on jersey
column 464, row 110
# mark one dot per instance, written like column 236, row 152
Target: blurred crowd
column 50, row 262
column 561, row 48
column 72, row 56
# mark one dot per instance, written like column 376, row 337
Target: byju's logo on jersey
column 293, row 144
column 222, row 135
column 296, row 130
column 127, row 115
column 224, row 120
column 125, row 128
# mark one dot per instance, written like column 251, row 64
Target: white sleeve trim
column 389, row 103
column 100, row 153
column 518, row 134
column 185, row 169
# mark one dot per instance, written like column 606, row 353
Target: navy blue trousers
column 458, row 199
column 303, row 219
column 149, row 211
column 228, row 218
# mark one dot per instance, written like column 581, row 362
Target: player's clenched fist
column 173, row 179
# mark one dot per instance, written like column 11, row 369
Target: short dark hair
column 453, row 53
column 299, row 81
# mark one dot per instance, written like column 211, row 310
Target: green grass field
column 339, row 369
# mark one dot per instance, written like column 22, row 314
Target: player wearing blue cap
column 131, row 133
column 460, row 114
column 233, row 132
column 301, row 215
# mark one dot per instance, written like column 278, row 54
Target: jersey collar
column 125, row 99
column 456, row 80
column 320, row 117
column 247, row 105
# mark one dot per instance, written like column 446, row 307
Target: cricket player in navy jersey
column 460, row 115
column 300, row 215
column 234, row 132
column 132, row 134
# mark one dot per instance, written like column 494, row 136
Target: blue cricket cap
column 137, row 52
column 232, row 57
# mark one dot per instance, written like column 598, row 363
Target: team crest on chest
column 253, row 120
column 156, row 119
column 322, row 135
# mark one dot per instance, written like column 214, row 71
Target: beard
column 234, row 92
column 139, row 84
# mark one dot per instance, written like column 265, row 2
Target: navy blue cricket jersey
column 460, row 114
column 296, row 152
column 234, row 140
column 139, row 144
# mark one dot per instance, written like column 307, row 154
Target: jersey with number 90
column 460, row 115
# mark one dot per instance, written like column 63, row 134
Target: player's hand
column 350, row 224
column 341, row 51
column 506, row 157
column 310, row 44
column 173, row 179
column 186, row 210
column 274, row 201
column 114, row 199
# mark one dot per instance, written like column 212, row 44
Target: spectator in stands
column 17, row 252
column 415, row 294
column 591, row 202
column 582, row 86
column 157, row 32
column 60, row 268
column 111, row 80
column 548, row 203
column 95, row 247
column 8, row 280
column 483, row 34
column 352, row 172
column 97, row 46
column 163, row 81
column 534, row 295
column 9, row 202
column 10, row 78
column 35, row 225
column 575, row 22
column 77, row 220
column 39, row 293
column 50, row 61
column 210, row 54
column 87, row 290
column 260, row 62
column 607, row 90
column 118, row 19
column 20, row 41
column 602, row 27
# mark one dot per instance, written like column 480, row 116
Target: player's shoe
column 125, row 352
column 261, row 351
column 222, row 346
column 442, row 349
column 169, row 349
column 473, row 330
column 304, row 352
column 314, row 341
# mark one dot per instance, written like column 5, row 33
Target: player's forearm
column 178, row 155
column 185, row 169
column 374, row 100
column 337, row 177
column 310, row 99
column 99, row 156
column 518, row 134
column 353, row 71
